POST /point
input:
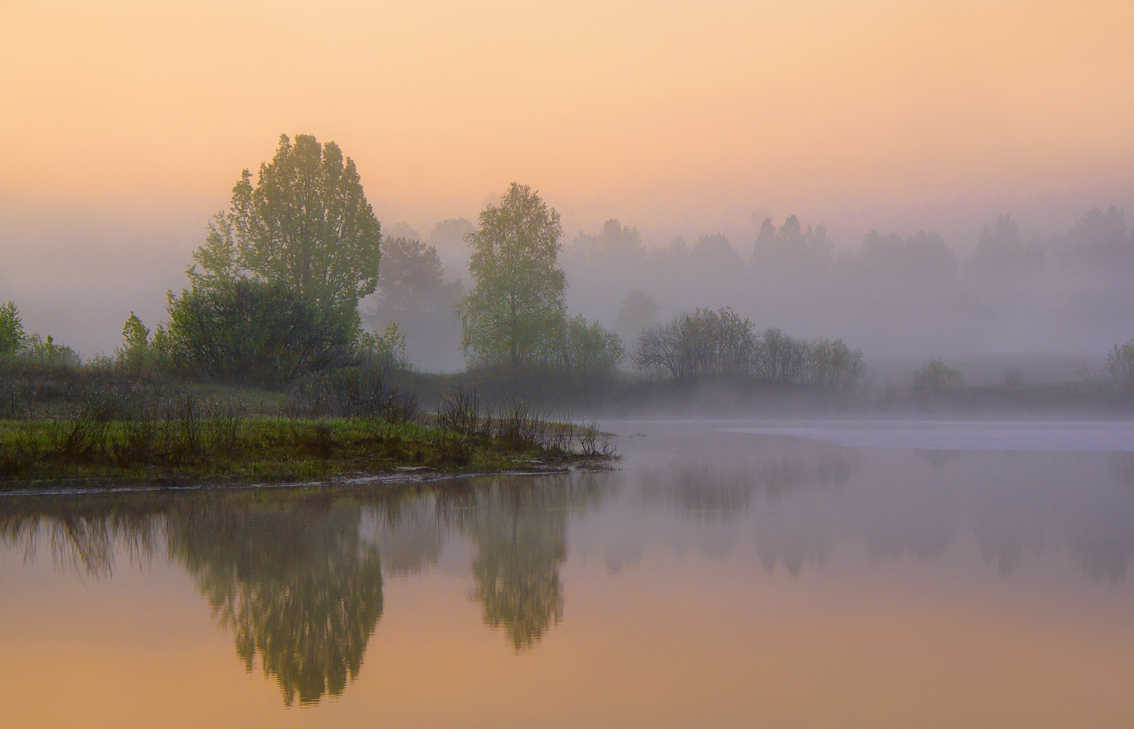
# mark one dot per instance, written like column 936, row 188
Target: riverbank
column 266, row 450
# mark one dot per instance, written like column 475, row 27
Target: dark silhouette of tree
column 1001, row 253
column 791, row 246
column 413, row 294
column 638, row 311
column 1101, row 240
column 714, row 253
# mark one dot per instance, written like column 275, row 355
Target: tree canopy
column 516, row 307
column 306, row 225
column 12, row 334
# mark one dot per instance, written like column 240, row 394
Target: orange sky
column 655, row 112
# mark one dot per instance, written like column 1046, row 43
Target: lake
column 729, row 574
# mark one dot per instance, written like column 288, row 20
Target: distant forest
column 890, row 296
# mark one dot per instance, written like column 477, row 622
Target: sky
column 127, row 123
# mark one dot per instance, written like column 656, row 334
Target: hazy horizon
column 128, row 124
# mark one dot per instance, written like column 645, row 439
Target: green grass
column 256, row 449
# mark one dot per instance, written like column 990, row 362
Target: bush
column 586, row 349
column 781, row 359
column 352, row 392
column 49, row 351
column 702, row 343
column 834, row 365
column 1120, row 366
column 936, row 376
column 253, row 333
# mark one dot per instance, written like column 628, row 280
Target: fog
column 1046, row 294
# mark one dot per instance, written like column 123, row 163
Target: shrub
column 586, row 349
column 253, row 333
column 834, row 365
column 49, row 351
column 1120, row 366
column 780, row 358
column 702, row 343
column 936, row 376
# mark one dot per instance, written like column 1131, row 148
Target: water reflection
column 519, row 528
column 292, row 581
column 718, row 477
column 300, row 580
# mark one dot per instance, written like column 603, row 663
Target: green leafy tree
column 587, row 349
column 49, row 351
column 516, row 306
column 834, row 365
column 135, row 350
column 306, row 225
column 936, row 376
column 12, row 334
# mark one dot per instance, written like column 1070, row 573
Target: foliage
column 385, row 353
column 353, row 392
column 586, row 349
column 1120, row 366
column 12, row 335
column 720, row 343
column 936, row 376
column 135, row 352
column 781, row 358
column 305, row 225
column 702, row 343
column 253, row 333
column 834, row 365
column 49, row 351
column 517, row 302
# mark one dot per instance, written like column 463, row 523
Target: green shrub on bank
column 708, row 343
column 936, row 376
column 253, row 334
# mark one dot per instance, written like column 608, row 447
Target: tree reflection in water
column 519, row 527
column 294, row 583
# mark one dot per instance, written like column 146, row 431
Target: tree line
column 275, row 289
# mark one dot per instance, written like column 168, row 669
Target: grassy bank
column 273, row 449
column 86, row 426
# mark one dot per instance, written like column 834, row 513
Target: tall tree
column 306, row 225
column 516, row 306
column 12, row 335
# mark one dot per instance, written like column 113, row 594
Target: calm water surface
column 731, row 574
